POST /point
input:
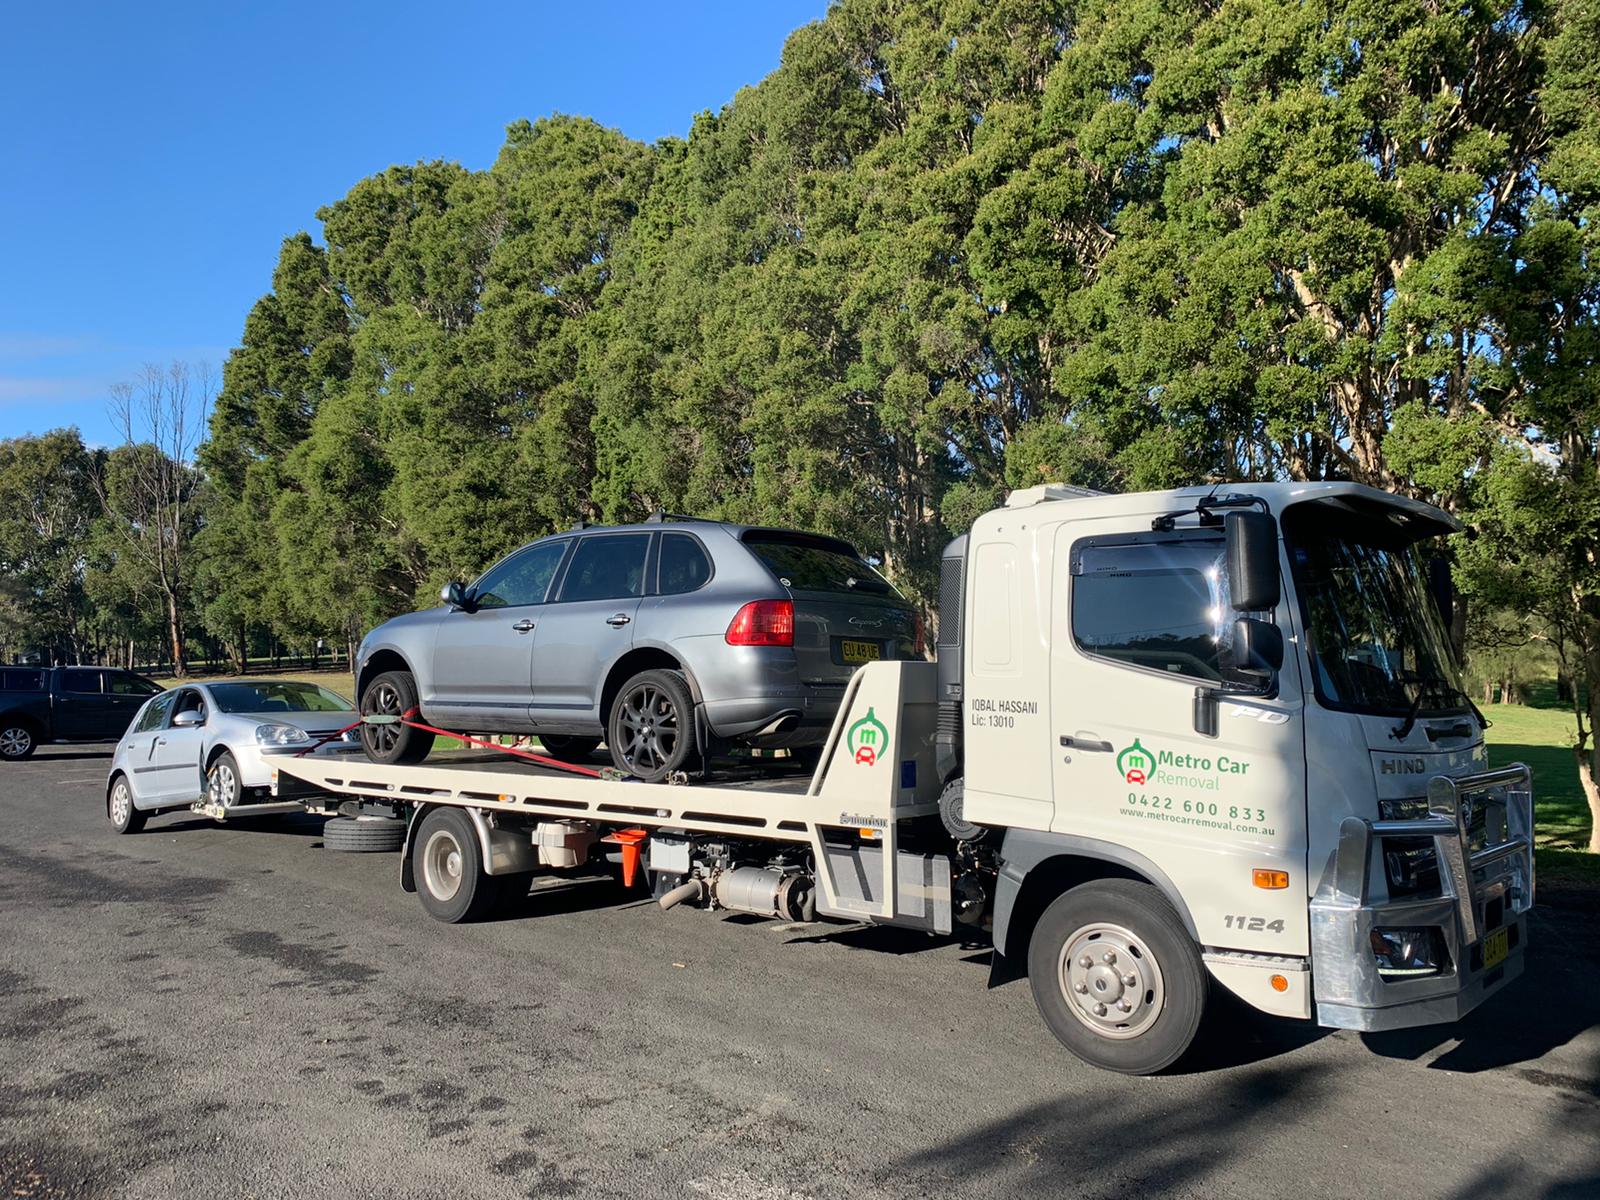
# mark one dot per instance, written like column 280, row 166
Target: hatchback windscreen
column 808, row 566
column 276, row 697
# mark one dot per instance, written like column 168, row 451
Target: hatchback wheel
column 222, row 781
column 125, row 818
column 651, row 728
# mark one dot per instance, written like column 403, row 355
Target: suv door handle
column 618, row 621
column 1081, row 744
column 523, row 626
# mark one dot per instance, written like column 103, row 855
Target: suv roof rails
column 660, row 518
column 580, row 524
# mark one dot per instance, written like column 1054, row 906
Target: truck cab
column 1236, row 712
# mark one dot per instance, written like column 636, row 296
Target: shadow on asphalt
column 1556, row 999
column 291, row 825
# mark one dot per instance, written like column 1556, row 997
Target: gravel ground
column 204, row 1011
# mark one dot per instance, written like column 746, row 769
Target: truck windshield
column 1378, row 643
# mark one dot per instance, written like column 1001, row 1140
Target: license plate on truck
column 1496, row 945
column 860, row 652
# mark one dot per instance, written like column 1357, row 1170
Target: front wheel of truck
column 1117, row 977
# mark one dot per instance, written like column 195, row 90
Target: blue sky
column 152, row 156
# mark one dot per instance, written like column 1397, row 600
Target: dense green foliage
column 950, row 247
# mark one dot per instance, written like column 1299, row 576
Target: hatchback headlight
column 281, row 735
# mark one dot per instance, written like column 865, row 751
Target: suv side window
column 21, row 680
column 524, row 578
column 1158, row 604
column 83, row 683
column 120, row 683
column 154, row 714
column 607, row 567
column 684, row 565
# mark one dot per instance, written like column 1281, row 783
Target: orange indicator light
column 1279, row 983
column 1271, row 880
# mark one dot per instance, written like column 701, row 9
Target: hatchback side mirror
column 1253, row 583
column 456, row 596
column 188, row 719
column 1257, row 647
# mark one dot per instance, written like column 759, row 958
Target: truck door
column 1143, row 619
column 588, row 628
column 483, row 660
column 125, row 692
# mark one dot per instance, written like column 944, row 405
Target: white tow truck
column 1175, row 740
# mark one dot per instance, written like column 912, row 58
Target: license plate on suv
column 1496, row 945
column 860, row 652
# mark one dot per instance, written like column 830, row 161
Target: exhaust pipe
column 694, row 890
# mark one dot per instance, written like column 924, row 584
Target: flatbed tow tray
column 876, row 771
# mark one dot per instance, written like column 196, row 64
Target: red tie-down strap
column 408, row 718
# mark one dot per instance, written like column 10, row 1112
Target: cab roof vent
column 1023, row 497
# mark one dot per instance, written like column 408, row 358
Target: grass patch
column 1542, row 738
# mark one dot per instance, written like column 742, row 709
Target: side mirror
column 1257, row 647
column 1253, row 583
column 1443, row 588
column 187, row 719
column 456, row 596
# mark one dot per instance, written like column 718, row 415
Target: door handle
column 523, row 626
column 1073, row 743
column 618, row 621
column 161, row 741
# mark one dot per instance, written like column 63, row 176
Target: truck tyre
column 125, row 818
column 1117, row 977
column 364, row 835
column 568, row 749
column 17, row 739
column 651, row 727
column 222, row 781
column 448, row 868
column 393, row 694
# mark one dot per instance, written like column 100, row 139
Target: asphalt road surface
column 224, row 1012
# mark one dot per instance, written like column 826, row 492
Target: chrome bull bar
column 1350, row 991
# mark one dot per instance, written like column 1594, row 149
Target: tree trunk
column 241, row 651
column 180, row 666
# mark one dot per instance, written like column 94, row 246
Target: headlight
column 1405, row 952
column 281, row 735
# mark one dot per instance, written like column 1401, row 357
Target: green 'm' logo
column 1135, row 763
column 868, row 739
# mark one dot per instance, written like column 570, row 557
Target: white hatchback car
column 209, row 747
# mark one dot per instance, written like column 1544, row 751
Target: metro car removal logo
column 1136, row 763
column 868, row 739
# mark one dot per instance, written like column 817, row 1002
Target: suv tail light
column 763, row 623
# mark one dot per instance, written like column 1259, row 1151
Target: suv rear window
column 812, row 565
column 18, row 680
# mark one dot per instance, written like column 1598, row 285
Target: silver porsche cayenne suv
column 669, row 640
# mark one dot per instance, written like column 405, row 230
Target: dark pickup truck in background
column 66, row 704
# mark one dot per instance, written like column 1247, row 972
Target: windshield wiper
column 1422, row 683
